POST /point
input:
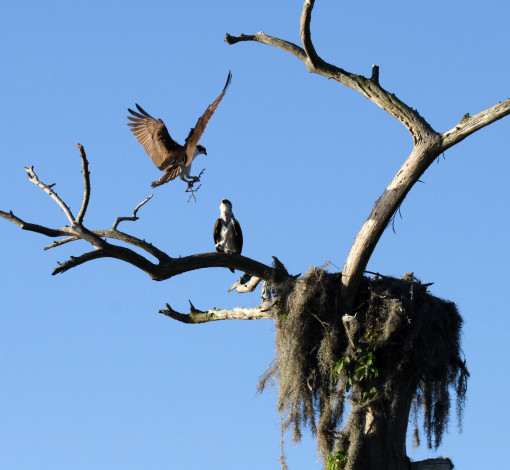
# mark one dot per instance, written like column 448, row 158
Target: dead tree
column 355, row 328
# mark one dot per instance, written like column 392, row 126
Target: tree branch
column 74, row 261
column 369, row 88
column 131, row 240
column 219, row 260
column 86, row 182
column 118, row 235
column 428, row 144
column 246, row 283
column 133, row 217
column 264, row 38
column 470, row 124
column 413, row 168
column 60, row 242
column 166, row 267
column 49, row 232
column 384, row 208
column 47, row 189
column 239, row 313
column 306, row 38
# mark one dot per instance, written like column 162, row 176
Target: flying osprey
column 170, row 157
column 228, row 236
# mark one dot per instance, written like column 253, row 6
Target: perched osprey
column 170, row 157
column 228, row 236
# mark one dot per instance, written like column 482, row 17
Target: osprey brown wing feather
column 196, row 133
column 155, row 139
column 217, row 232
column 239, row 235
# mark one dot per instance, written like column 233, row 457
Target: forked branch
column 369, row 88
column 428, row 144
column 134, row 217
column 165, row 267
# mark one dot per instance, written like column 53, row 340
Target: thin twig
column 350, row 323
column 190, row 186
column 192, row 191
column 133, row 217
column 86, row 182
column 61, row 242
column 47, row 189
column 394, row 216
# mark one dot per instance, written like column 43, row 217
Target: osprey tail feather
column 164, row 179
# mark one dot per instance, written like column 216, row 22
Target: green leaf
column 336, row 460
column 340, row 364
column 348, row 384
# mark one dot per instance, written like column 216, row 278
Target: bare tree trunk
column 384, row 444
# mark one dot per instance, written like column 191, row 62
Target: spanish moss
column 398, row 354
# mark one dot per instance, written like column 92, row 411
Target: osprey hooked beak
column 200, row 149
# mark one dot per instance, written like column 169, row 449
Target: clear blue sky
column 92, row 376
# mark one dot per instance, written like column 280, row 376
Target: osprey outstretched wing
column 170, row 157
column 195, row 134
column 154, row 137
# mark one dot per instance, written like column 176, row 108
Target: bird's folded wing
column 239, row 235
column 217, row 232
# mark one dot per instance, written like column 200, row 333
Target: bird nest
column 399, row 333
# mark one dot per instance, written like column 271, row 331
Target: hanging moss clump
column 309, row 341
column 399, row 350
